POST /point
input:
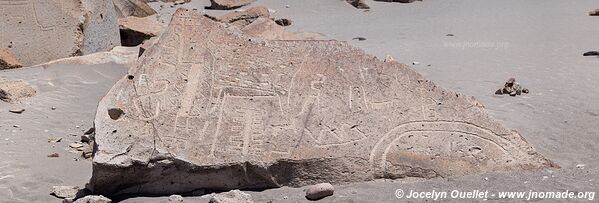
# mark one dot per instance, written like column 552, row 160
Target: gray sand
column 539, row 42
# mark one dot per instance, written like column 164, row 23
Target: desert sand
column 540, row 43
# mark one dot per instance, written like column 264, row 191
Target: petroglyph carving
column 229, row 113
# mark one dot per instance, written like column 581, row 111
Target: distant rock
column 512, row 88
column 135, row 30
column 93, row 199
column 228, row 4
column 319, row 191
column 283, row 22
column 41, row 31
column 244, row 18
column 594, row 12
column 209, row 107
column 137, row 8
column 8, row 60
column 591, row 53
column 359, row 4
column 53, row 155
column 16, row 109
column 233, row 196
column 12, row 91
column 65, row 192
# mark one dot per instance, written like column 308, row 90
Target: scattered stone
column 53, row 108
column 137, row 8
column 175, row 198
column 415, row 63
column 115, row 113
column 283, row 22
column 53, row 155
column 266, row 28
column 512, row 88
column 16, row 109
column 359, row 38
column 594, row 12
column 65, row 192
column 135, row 30
column 319, row 191
column 244, row 18
column 290, row 92
column 8, row 60
column 76, row 146
column 12, row 91
column 580, row 166
column 287, row 6
column 359, row 4
column 86, row 151
column 93, row 199
column 233, row 196
column 228, row 4
column 16, row 126
column 449, row 35
column 591, row 53
column 54, row 139
column 86, row 138
column 41, row 31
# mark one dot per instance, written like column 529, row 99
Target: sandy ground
column 539, row 42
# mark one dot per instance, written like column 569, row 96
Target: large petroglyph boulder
column 38, row 31
column 208, row 108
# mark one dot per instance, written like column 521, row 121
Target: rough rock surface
column 8, row 60
column 512, row 88
column 244, row 18
column 12, row 91
column 135, row 30
column 228, row 4
column 208, row 108
column 399, row 1
column 266, row 28
column 137, row 8
column 41, row 31
column 66, row 192
column 594, row 12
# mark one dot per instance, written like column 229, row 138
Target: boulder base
column 208, row 107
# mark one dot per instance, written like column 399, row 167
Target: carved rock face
column 38, row 31
column 207, row 108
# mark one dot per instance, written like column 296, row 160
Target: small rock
column 319, row 191
column 53, row 108
column 359, row 4
column 591, row 53
column 75, row 145
column 389, row 58
column 93, row 199
column 287, row 6
column 17, row 110
column 65, row 191
column 449, row 35
column 594, row 12
column 415, row 63
column 512, row 88
column 175, row 198
column 16, row 126
column 90, row 131
column 54, row 139
column 580, row 166
column 233, row 196
column 8, row 60
column 53, row 155
column 359, row 38
column 283, row 22
column 85, row 138
column 115, row 113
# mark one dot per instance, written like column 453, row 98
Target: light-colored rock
column 41, row 31
column 244, row 18
column 228, row 4
column 138, row 8
column 93, row 199
column 266, row 28
column 233, row 196
column 209, row 108
column 594, row 12
column 65, row 192
column 120, row 55
column 16, row 109
column 319, row 191
column 175, row 199
column 8, row 60
column 12, row 91
column 135, row 30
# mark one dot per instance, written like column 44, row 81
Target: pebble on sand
column 53, row 155
column 17, row 110
column 319, row 191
